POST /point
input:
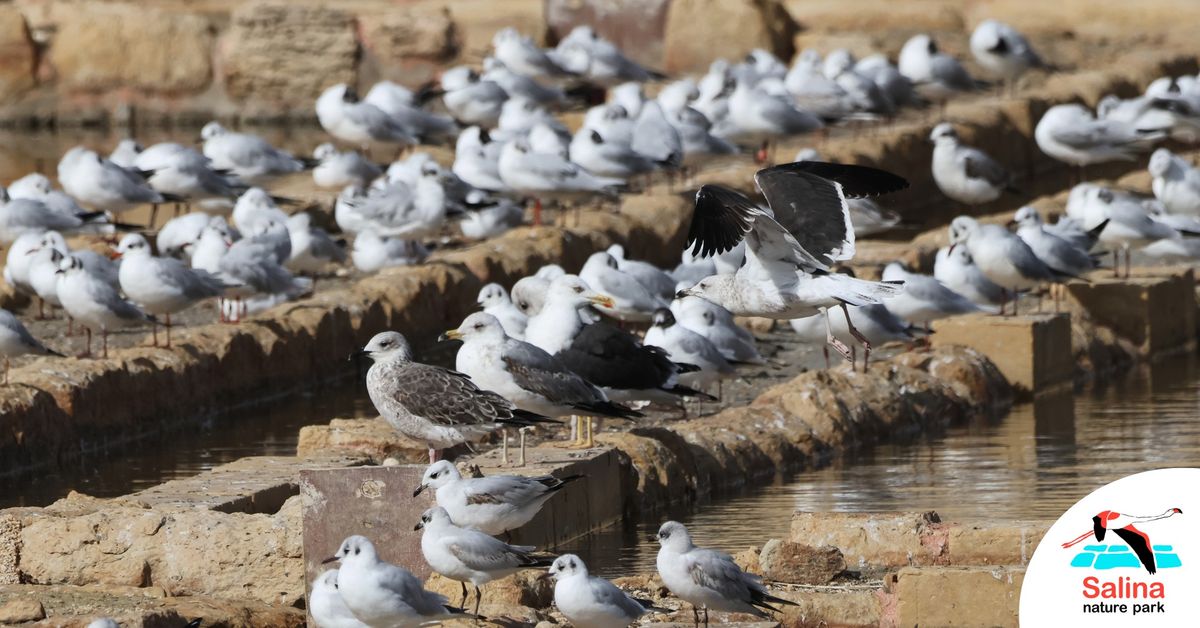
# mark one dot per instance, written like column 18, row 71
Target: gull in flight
column 791, row 247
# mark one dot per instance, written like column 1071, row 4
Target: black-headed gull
column 16, row 341
column 965, row 173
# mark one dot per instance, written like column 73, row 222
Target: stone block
column 101, row 46
column 893, row 539
column 376, row 502
column 372, row 438
column 410, row 42
column 957, row 596
column 1033, row 351
column 986, row 543
column 20, row 611
column 1155, row 309
column 797, row 563
column 287, row 53
column 700, row 31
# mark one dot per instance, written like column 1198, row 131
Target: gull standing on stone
column 632, row 301
column 787, row 272
column 955, row 268
column 370, row 253
column 469, row 555
column 326, row 605
column 547, row 175
column 19, row 216
column 432, row 405
column 1003, row 257
column 16, row 341
column 519, row 54
column 248, row 157
column 521, row 87
column 43, row 275
column 1054, row 251
column 757, row 116
column 1126, row 220
column 1176, row 183
column 716, row 323
column 708, row 578
column 162, row 285
column 1072, row 135
column 1003, row 51
column 936, row 74
column 685, row 346
column 382, row 595
column 94, row 303
column 472, row 99
column 494, row 300
column 590, row 602
column 36, row 186
column 965, row 173
column 607, row 159
column 477, row 160
column 18, row 261
column 492, row 504
column 178, row 237
column 105, row 186
column 924, row 298
column 427, row 126
column 338, row 169
column 350, row 120
column 526, row 375
column 312, row 247
column 181, row 171
column 612, row 359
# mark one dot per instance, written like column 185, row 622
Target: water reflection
column 1032, row 464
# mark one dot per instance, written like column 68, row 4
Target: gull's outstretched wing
column 809, row 201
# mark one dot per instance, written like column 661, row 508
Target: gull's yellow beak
column 602, row 300
column 452, row 334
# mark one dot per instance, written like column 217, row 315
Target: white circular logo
column 1126, row 555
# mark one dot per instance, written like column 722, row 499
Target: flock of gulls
column 621, row 334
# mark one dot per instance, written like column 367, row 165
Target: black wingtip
column 856, row 181
column 684, row 391
column 610, row 409
column 525, row 418
column 720, row 220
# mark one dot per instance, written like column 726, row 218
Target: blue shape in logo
column 1121, row 556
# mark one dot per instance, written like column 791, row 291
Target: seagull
column 326, row 606
column 16, row 341
column 607, row 159
column 965, row 173
column 94, row 303
column 652, row 277
column 1126, row 221
column 371, row 253
column 547, row 175
column 18, row 261
column 312, row 247
column 520, row 87
column 125, row 153
column 477, row 160
column 519, row 54
column 400, row 211
column 924, row 298
column 1003, row 51
column 43, row 275
column 162, row 285
column 758, row 116
column 527, row 376
column 350, row 120
column 585, row 52
column 1176, row 183
column 1071, row 134
column 105, row 186
column 380, row 594
column 255, row 206
column 427, row 126
column 685, row 346
column 529, row 295
column 632, row 301
column 337, row 169
column 181, row 171
column 875, row 321
column 494, row 300
column 432, row 405
column 36, row 186
column 937, row 75
column 655, row 137
column 250, row 264
column 248, row 157
column 708, row 578
column 472, row 99
column 19, row 216
column 955, row 268
column 612, row 359
column 469, row 555
column 178, row 237
column 1057, row 253
column 787, row 273
column 492, row 504
column 1002, row 257
column 717, row 325
column 492, row 221
column 590, row 602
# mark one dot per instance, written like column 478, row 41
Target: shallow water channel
column 1032, row 463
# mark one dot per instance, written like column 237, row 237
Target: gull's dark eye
column 356, row 550
column 577, row 290
column 478, row 325
column 571, row 565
